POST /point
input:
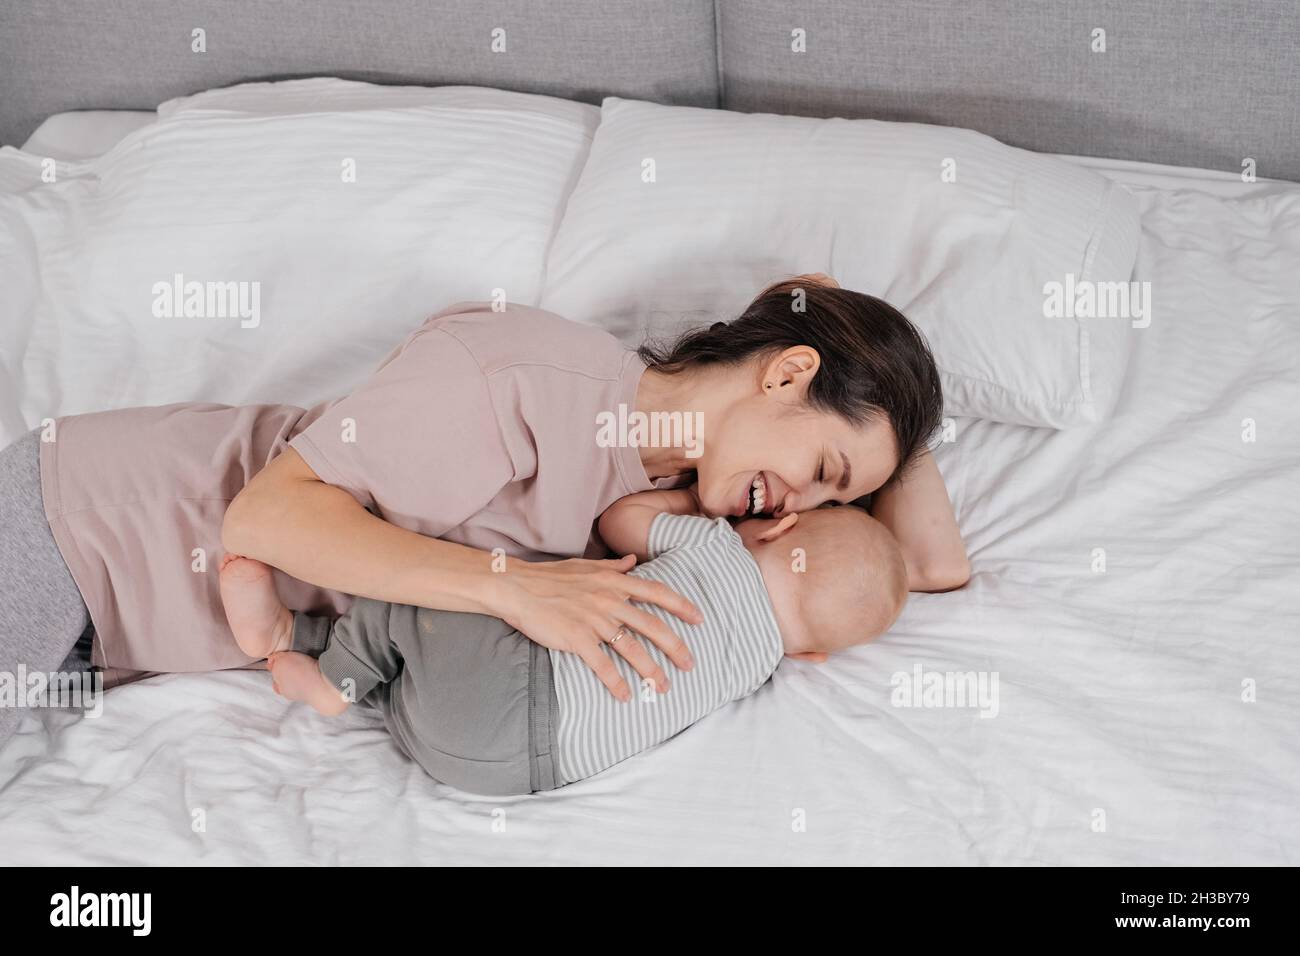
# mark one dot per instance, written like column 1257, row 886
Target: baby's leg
column 323, row 662
column 357, row 652
column 259, row 619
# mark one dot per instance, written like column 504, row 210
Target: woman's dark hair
column 874, row 362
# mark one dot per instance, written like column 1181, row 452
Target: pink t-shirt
column 480, row 428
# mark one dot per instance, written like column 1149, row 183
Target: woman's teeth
column 758, row 495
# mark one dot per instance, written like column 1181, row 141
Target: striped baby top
column 736, row 649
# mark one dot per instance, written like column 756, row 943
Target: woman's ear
column 788, row 375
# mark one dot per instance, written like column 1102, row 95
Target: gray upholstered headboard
column 1189, row 82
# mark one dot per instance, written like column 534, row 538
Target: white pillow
column 84, row 134
column 457, row 193
column 327, row 94
column 683, row 214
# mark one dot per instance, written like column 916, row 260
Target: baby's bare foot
column 298, row 677
column 261, row 622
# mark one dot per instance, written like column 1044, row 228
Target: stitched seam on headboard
column 717, row 52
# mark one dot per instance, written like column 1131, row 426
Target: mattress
column 1134, row 604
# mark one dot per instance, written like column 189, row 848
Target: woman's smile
column 756, row 497
column 758, row 494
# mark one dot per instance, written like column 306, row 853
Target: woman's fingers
column 605, row 669
column 635, row 653
column 576, row 605
column 655, row 630
column 658, row 593
column 659, row 634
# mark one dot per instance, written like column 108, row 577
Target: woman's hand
column 290, row 519
column 579, row 605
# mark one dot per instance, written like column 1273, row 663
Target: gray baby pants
column 467, row 697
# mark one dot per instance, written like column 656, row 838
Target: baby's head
column 836, row 578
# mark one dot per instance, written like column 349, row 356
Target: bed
column 1134, row 594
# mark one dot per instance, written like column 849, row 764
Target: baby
column 480, row 707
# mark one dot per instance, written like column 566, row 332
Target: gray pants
column 44, row 624
column 467, row 697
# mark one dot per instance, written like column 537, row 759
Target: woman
column 472, row 448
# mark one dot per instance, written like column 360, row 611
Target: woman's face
column 773, row 454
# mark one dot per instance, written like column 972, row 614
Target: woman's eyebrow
column 846, row 475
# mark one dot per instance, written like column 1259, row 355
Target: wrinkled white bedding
column 1120, row 692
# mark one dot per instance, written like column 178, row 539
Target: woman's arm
column 917, row 510
column 290, row 519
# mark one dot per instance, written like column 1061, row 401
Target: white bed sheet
column 1120, row 692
